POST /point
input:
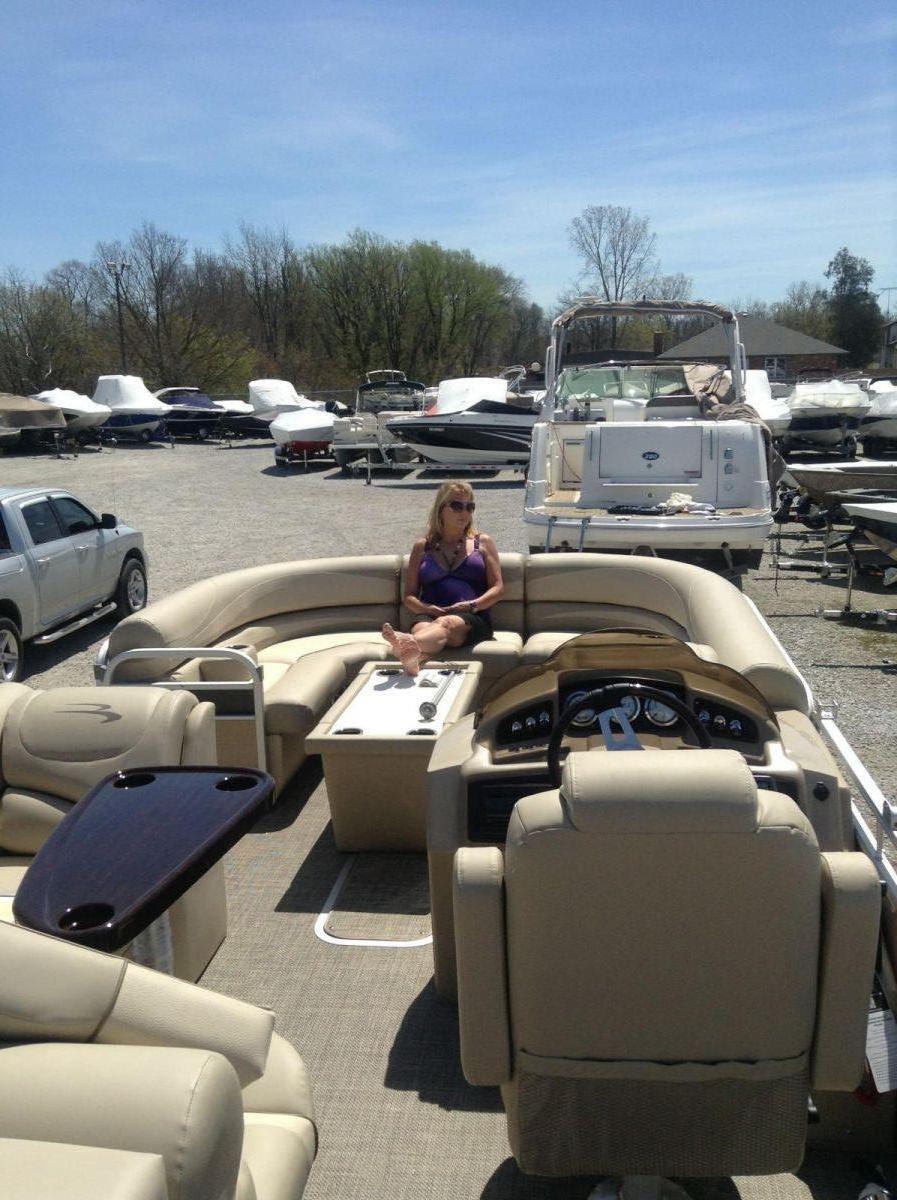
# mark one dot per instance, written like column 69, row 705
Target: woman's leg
column 433, row 636
column 426, row 638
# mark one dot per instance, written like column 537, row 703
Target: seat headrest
column 660, row 791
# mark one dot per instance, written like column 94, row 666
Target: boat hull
column 879, row 524
column 456, row 440
column 133, row 424
column 820, row 482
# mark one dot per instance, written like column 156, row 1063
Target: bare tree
column 618, row 252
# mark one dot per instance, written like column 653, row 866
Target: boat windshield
column 620, row 383
column 393, row 399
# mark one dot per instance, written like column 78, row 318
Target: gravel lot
column 207, row 508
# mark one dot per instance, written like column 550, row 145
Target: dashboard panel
column 527, row 728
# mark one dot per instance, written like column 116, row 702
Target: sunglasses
column 461, row 505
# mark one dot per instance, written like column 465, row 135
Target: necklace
column 452, row 559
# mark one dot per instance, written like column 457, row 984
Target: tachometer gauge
column 631, row 706
column 660, row 714
column 587, row 717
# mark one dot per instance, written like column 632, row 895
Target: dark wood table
column 133, row 846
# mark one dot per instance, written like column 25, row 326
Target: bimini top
column 594, row 306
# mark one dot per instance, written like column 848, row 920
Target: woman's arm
column 412, row 585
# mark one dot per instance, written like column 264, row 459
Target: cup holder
column 235, row 783
column 86, row 916
column 138, row 779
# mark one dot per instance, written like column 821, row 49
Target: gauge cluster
column 533, row 725
column 641, row 714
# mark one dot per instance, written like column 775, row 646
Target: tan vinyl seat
column 96, row 1052
column 660, row 968
column 56, row 745
column 585, row 592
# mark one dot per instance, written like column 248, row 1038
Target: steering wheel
column 628, row 740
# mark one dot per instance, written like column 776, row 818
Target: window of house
column 776, row 369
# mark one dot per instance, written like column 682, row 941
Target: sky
column 757, row 138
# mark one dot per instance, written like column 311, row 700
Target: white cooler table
column 375, row 746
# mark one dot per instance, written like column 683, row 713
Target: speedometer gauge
column 660, row 714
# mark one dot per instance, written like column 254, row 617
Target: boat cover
column 830, row 393
column 72, row 402
column 456, row 395
column 303, row 425
column 128, row 393
column 267, row 394
column 22, row 412
column 882, row 399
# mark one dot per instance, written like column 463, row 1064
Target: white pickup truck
column 61, row 567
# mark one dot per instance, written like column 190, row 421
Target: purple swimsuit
column 467, row 581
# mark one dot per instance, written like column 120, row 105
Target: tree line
column 262, row 307
column 323, row 315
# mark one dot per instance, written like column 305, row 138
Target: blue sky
column 758, row 138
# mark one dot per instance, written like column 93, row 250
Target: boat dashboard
column 615, row 691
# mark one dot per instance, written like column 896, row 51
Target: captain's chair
column 661, row 968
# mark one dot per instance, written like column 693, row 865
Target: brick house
column 783, row 353
column 888, row 356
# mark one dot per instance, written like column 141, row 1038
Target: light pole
column 117, row 268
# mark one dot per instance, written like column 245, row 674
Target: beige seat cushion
column 498, row 655
column 295, row 696
column 341, row 644
column 12, row 872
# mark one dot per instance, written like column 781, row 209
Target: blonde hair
column 443, row 495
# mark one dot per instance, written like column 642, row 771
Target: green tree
column 855, row 316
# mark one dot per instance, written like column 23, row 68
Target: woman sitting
column 453, row 579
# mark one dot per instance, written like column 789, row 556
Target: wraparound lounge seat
column 56, row 745
column 96, row 1052
column 312, row 624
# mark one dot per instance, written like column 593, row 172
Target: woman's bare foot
column 404, row 646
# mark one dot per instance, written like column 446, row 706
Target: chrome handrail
column 182, row 653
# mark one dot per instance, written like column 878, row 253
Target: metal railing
column 878, row 839
column 252, row 685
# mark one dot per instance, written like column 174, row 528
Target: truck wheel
column 130, row 595
column 10, row 651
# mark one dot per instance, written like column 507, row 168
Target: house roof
column 759, row 337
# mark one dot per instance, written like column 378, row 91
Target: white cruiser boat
column 626, row 457
column 83, row 416
column 476, row 420
column 383, row 395
column 878, row 427
column 826, row 414
column 136, row 412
